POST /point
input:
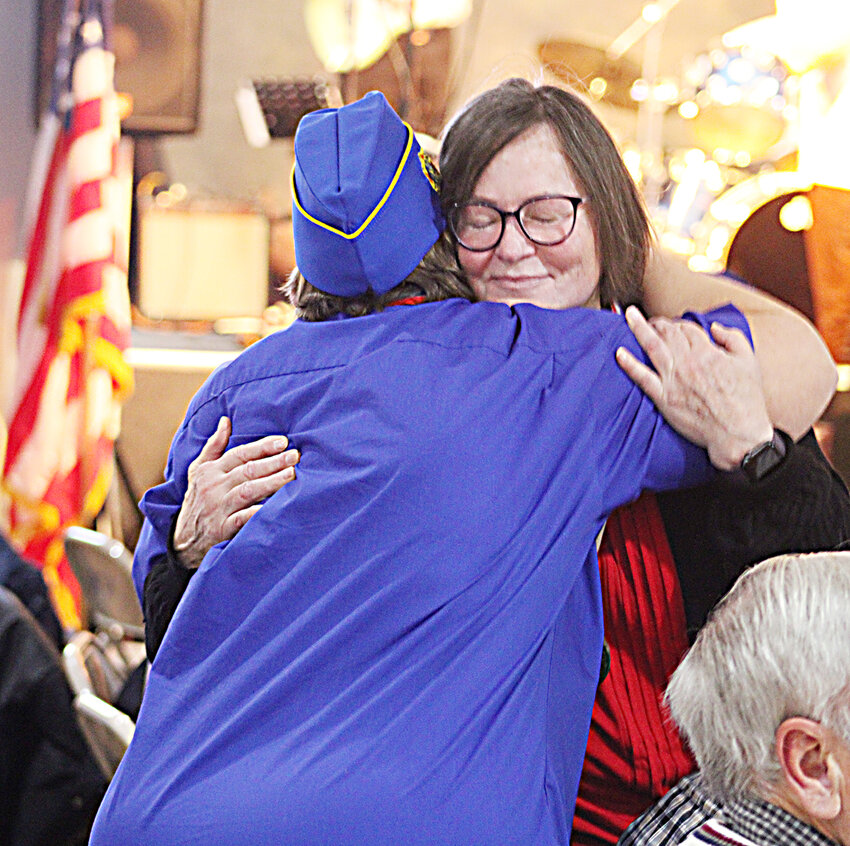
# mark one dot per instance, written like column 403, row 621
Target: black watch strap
column 760, row 460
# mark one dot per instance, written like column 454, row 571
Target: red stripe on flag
column 36, row 247
column 87, row 116
column 24, row 421
column 85, row 198
column 78, row 282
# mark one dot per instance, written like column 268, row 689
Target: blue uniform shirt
column 402, row 647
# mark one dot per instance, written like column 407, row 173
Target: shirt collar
column 771, row 825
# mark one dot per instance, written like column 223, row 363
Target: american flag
column 73, row 316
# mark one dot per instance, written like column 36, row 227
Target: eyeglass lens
column 546, row 221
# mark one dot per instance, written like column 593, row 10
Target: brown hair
column 434, row 278
column 498, row 116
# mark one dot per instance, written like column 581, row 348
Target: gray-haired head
column 777, row 646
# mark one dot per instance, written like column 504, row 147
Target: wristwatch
column 761, row 459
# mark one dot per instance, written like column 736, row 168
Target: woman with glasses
column 541, row 210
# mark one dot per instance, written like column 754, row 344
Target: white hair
column 777, row 646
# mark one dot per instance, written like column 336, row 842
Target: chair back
column 76, row 671
column 107, row 730
column 103, row 567
column 96, row 656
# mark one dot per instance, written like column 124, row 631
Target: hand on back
column 227, row 487
column 710, row 391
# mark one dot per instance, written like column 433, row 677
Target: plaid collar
column 770, row 825
column 683, row 808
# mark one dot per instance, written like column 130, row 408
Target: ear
column 812, row 775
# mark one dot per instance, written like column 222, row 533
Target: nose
column 514, row 244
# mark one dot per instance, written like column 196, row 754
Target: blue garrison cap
column 365, row 208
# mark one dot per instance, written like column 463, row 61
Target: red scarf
column 408, row 301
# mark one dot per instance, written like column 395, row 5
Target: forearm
column 225, row 488
column 798, row 372
column 718, row 530
column 164, row 588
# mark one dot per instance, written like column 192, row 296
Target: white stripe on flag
column 88, row 238
column 90, row 156
column 51, row 448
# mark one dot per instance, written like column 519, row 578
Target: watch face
column 764, row 458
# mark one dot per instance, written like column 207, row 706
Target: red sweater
column 634, row 755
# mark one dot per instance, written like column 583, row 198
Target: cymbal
column 578, row 63
column 739, row 128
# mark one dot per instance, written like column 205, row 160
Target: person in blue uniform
column 401, row 648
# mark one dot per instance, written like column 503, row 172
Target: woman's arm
column 798, row 373
column 718, row 530
column 225, row 489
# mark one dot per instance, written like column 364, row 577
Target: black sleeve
column 24, row 579
column 717, row 530
column 27, row 583
column 164, row 586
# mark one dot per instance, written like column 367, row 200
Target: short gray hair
column 777, row 646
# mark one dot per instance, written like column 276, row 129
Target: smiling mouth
column 516, row 281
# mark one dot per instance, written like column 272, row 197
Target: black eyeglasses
column 544, row 220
